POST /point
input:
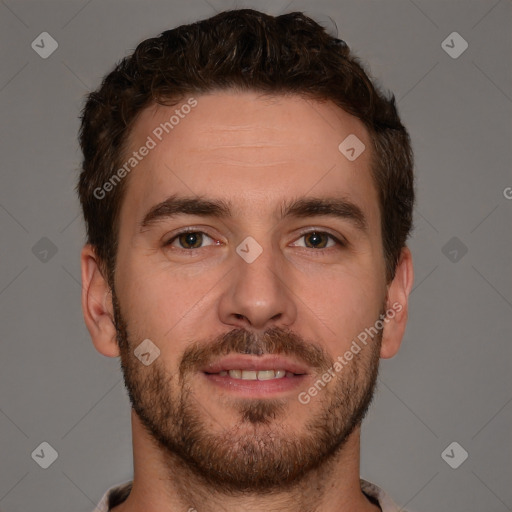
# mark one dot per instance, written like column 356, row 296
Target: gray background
column 451, row 380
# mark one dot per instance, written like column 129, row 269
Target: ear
column 397, row 305
column 97, row 304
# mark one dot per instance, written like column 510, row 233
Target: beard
column 259, row 453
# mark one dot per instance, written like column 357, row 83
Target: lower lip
column 257, row 388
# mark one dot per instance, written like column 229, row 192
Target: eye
column 189, row 239
column 319, row 240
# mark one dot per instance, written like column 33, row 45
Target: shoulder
column 380, row 496
column 114, row 496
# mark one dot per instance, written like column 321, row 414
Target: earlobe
column 97, row 304
column 397, row 305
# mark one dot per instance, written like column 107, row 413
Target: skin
column 255, row 152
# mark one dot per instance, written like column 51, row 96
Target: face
column 254, row 289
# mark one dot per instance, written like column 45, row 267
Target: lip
column 256, row 363
column 257, row 388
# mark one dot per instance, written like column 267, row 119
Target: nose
column 257, row 294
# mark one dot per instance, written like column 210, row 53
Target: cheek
column 347, row 305
column 163, row 305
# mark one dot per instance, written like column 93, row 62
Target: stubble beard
column 258, row 454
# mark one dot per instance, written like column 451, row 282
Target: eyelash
column 339, row 242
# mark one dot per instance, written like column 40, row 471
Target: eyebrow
column 338, row 207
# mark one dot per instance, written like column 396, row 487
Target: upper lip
column 255, row 363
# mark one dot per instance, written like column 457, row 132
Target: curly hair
column 244, row 50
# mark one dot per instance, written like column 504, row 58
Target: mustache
column 273, row 341
column 242, row 341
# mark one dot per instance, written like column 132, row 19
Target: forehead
column 252, row 150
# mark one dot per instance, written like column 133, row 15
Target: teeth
column 266, row 375
column 256, row 375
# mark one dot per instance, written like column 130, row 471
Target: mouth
column 256, row 376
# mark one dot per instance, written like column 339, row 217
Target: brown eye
column 319, row 240
column 316, row 239
column 188, row 240
column 193, row 239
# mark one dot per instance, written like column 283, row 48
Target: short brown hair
column 246, row 50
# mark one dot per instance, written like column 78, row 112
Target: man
column 248, row 194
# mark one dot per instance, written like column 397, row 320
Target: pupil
column 315, row 238
column 192, row 239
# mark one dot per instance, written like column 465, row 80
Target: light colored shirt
column 118, row 493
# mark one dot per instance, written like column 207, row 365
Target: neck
column 163, row 483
